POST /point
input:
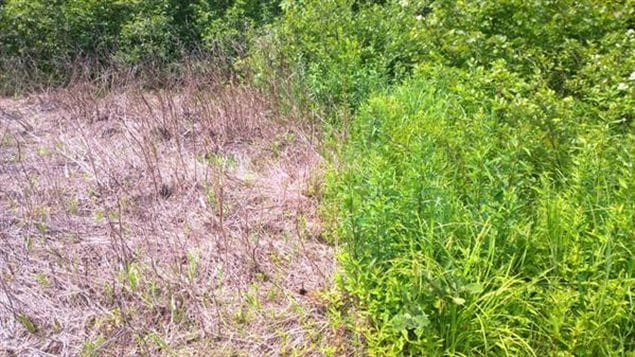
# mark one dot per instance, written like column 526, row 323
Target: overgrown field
column 478, row 185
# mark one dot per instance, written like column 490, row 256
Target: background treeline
column 485, row 195
column 346, row 49
column 45, row 40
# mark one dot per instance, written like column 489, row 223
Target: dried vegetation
column 138, row 221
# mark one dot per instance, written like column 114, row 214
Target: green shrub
column 482, row 214
column 30, row 29
column 47, row 37
column 343, row 50
column 606, row 82
column 339, row 49
column 148, row 35
column 226, row 27
column 487, row 204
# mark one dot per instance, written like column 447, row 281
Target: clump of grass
column 481, row 222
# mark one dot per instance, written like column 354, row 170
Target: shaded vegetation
column 343, row 50
column 46, row 39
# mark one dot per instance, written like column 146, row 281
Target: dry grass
column 166, row 222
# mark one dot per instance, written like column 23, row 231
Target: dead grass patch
column 159, row 222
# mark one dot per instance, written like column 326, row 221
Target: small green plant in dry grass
column 100, row 216
column 108, row 292
column 43, row 280
column 8, row 140
column 211, row 197
column 72, row 206
column 132, row 276
column 274, row 295
column 193, row 261
column 91, row 348
column 154, row 343
column 242, row 316
column 43, row 152
column 485, row 222
column 28, row 323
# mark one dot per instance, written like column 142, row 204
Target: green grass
column 483, row 223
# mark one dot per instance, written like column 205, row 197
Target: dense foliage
column 486, row 203
column 480, row 223
column 346, row 49
column 50, row 36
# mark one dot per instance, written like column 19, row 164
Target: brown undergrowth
column 178, row 221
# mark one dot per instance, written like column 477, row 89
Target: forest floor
column 170, row 222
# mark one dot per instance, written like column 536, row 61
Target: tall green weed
column 481, row 214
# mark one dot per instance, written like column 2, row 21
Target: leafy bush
column 48, row 30
column 226, row 27
column 343, row 50
column 484, row 215
column 339, row 51
column 47, row 36
column 148, row 35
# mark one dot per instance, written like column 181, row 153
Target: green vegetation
column 486, row 204
column 43, row 40
column 477, row 224
column 485, row 195
column 343, row 50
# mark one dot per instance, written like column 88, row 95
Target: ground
column 160, row 222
